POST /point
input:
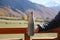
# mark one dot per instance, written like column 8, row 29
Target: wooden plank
column 24, row 30
column 12, row 30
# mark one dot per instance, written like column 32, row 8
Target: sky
column 48, row 3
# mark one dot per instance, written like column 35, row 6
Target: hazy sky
column 48, row 3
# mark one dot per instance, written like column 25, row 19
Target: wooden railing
column 24, row 31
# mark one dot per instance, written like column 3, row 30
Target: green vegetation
column 24, row 16
column 17, row 22
column 14, row 23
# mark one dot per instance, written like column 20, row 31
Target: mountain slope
column 25, row 6
column 56, row 7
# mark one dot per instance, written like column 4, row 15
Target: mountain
column 18, row 7
column 57, row 7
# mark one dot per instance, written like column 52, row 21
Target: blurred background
column 14, row 13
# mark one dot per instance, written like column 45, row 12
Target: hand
column 36, row 29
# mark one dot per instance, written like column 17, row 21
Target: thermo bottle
column 31, row 24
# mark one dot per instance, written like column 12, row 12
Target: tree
column 24, row 16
